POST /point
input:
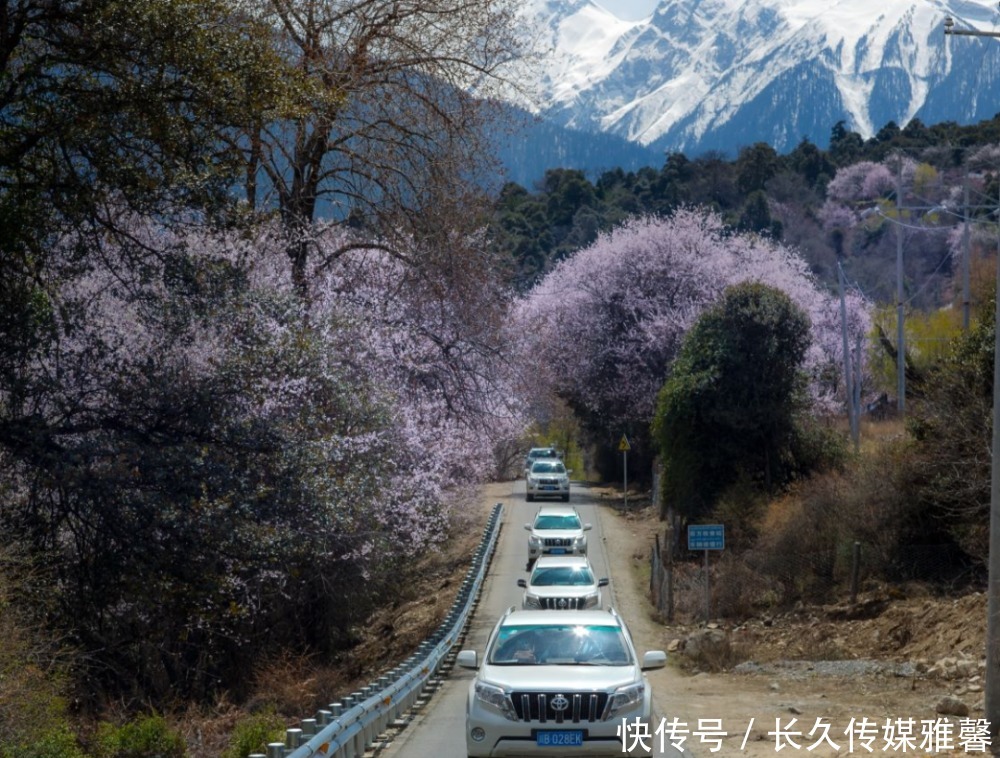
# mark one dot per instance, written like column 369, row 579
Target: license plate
column 549, row 487
column 557, row 550
column 552, row 738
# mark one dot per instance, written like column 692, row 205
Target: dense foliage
column 604, row 327
column 730, row 408
column 780, row 196
column 204, row 456
column 223, row 423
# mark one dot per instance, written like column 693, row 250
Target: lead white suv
column 563, row 683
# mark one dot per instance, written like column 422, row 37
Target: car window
column 557, row 521
column 561, row 576
column 559, row 644
column 548, row 467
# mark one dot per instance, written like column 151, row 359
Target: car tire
column 565, row 498
column 530, row 498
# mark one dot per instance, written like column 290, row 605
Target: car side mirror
column 528, row 527
column 603, row 582
column 522, row 583
column 587, row 527
column 653, row 659
column 467, row 659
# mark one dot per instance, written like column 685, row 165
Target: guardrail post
column 276, row 750
column 293, row 737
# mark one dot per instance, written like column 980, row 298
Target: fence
column 747, row 580
column 352, row 725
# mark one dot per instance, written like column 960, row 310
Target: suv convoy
column 560, row 683
column 557, row 530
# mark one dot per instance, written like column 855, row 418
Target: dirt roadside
column 878, row 673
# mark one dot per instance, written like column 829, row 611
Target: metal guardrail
column 350, row 726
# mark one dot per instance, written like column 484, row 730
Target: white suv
column 562, row 582
column 563, row 683
column 557, row 530
column 547, row 478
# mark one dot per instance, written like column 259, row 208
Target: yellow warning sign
column 623, row 446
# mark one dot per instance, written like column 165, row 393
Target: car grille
column 548, row 481
column 561, row 603
column 580, row 706
column 558, row 541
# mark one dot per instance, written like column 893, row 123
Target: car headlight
column 532, row 601
column 532, row 481
column 534, row 539
column 495, row 696
column 590, row 601
column 580, row 541
column 626, row 698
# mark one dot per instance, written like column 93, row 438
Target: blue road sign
column 706, row 536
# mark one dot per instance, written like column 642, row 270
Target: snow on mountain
column 719, row 74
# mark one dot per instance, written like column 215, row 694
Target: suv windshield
column 548, row 467
column 562, row 576
column 559, row 644
column 557, row 521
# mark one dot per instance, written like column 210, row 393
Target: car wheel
column 565, row 498
column 529, row 497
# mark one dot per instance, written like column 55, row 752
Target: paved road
column 439, row 731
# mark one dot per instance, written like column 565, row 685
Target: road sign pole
column 708, row 593
column 625, row 475
column 624, row 447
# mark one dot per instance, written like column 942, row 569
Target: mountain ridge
column 702, row 75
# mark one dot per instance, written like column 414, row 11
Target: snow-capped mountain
column 694, row 75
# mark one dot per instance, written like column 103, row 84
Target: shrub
column 147, row 737
column 56, row 742
column 252, row 734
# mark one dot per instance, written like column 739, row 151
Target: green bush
column 57, row 742
column 252, row 734
column 147, row 737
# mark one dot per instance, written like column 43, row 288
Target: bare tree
column 397, row 100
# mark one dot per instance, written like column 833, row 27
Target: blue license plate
column 552, row 738
column 557, row 550
column 549, row 487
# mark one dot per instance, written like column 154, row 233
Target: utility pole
column 992, row 700
column 966, row 286
column 849, row 390
column 900, row 330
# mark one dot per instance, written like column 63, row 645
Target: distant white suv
column 560, row 683
column 557, row 530
column 537, row 454
column 562, row 582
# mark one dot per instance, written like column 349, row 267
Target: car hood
column 562, row 677
column 573, row 591
column 557, row 533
